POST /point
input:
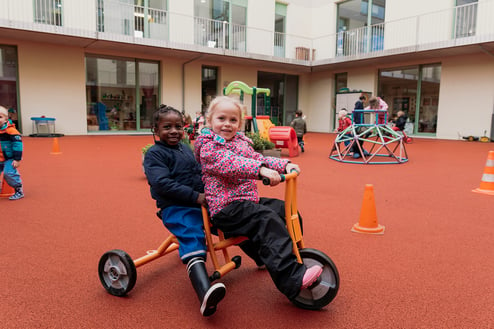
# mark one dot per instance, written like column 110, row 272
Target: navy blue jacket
column 10, row 142
column 173, row 175
column 401, row 122
column 357, row 116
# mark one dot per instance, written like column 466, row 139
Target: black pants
column 355, row 148
column 263, row 223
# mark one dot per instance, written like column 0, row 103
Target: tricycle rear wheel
column 324, row 290
column 117, row 272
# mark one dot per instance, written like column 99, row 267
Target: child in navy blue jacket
column 175, row 180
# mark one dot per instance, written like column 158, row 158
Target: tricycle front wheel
column 324, row 290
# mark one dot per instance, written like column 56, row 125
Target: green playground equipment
column 239, row 87
column 382, row 145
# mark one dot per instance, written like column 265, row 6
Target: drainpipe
column 183, row 79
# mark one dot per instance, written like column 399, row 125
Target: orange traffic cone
column 56, row 147
column 487, row 182
column 368, row 217
column 6, row 190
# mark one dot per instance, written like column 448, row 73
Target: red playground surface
column 432, row 267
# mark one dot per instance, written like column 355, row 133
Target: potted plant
column 263, row 146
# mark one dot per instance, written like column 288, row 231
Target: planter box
column 271, row 153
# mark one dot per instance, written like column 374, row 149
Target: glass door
column 430, row 78
column 149, row 96
column 8, row 83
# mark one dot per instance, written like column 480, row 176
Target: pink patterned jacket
column 381, row 117
column 230, row 168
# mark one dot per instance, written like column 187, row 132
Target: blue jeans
column 186, row 224
column 10, row 174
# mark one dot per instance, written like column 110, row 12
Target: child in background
column 400, row 121
column 343, row 120
column 343, row 123
column 10, row 154
column 230, row 170
column 376, row 103
column 175, row 180
column 300, row 128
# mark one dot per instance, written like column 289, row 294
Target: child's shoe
column 209, row 295
column 212, row 297
column 19, row 194
column 310, row 276
column 356, row 155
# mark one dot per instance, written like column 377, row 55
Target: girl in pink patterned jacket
column 230, row 169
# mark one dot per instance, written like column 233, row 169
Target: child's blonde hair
column 220, row 99
column 342, row 113
column 4, row 111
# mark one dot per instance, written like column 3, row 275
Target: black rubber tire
column 117, row 272
column 326, row 287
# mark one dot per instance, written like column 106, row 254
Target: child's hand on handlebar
column 292, row 166
column 273, row 176
column 201, row 199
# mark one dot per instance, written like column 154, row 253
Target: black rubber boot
column 209, row 296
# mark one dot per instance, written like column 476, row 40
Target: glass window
column 466, row 18
column 279, row 30
column 8, row 82
column 209, row 27
column 113, row 93
column 48, row 12
column 150, row 19
column 414, row 90
column 354, row 18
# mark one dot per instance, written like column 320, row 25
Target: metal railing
column 48, row 12
column 113, row 20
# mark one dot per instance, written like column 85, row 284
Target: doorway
column 209, row 86
column 283, row 97
column 8, row 83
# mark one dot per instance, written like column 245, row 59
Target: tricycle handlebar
column 293, row 173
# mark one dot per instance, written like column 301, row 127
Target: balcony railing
column 113, row 20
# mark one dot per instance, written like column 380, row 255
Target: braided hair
column 162, row 110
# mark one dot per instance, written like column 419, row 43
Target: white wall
column 80, row 15
column 466, row 98
column 261, row 15
column 181, row 21
column 319, row 98
column 52, row 83
column 397, row 9
column 363, row 79
column 171, row 83
column 21, row 10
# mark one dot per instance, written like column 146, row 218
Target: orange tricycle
column 118, row 275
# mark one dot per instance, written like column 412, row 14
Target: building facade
column 103, row 66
